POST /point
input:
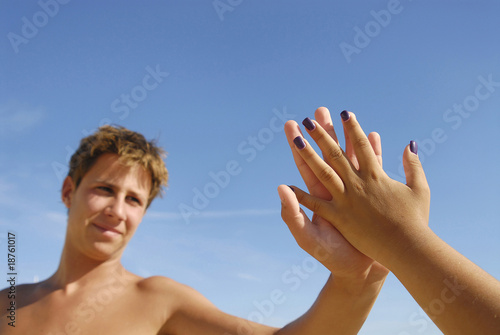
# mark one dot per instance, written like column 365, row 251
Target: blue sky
column 214, row 87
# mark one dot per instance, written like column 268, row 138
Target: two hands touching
column 319, row 236
column 356, row 205
column 365, row 224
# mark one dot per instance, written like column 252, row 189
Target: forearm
column 341, row 308
column 458, row 296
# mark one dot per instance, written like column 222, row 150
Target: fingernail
column 299, row 142
column 291, row 188
column 414, row 147
column 345, row 115
column 308, row 124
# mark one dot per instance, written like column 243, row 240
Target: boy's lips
column 107, row 229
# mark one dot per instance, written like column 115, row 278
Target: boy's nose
column 116, row 209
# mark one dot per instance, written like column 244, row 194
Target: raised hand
column 318, row 236
column 372, row 211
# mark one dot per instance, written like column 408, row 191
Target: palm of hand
column 330, row 247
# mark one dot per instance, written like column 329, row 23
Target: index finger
column 315, row 187
column 360, row 144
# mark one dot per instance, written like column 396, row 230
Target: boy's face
column 106, row 208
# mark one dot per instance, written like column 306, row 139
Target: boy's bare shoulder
column 164, row 286
column 20, row 294
column 165, row 289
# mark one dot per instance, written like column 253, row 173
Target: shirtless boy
column 114, row 176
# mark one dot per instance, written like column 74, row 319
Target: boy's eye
column 134, row 199
column 105, row 189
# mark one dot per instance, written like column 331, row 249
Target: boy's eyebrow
column 107, row 183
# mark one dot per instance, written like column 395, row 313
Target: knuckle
column 361, row 143
column 373, row 174
column 334, row 154
column 315, row 206
column 359, row 187
column 333, row 151
column 326, row 175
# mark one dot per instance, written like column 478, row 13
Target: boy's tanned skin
column 91, row 292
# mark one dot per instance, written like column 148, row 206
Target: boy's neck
column 77, row 270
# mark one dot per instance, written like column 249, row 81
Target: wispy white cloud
column 249, row 277
column 17, row 117
column 158, row 215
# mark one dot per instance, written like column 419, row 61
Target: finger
column 307, row 234
column 360, row 143
column 295, row 218
column 332, row 153
column 323, row 117
column 350, row 152
column 414, row 172
column 290, row 206
column 321, row 169
column 376, row 144
column 291, row 213
column 318, row 206
column 292, row 130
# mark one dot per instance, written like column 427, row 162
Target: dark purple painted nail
column 345, row 115
column 414, row 147
column 291, row 188
column 308, row 124
column 299, row 142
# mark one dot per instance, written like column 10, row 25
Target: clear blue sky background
column 229, row 75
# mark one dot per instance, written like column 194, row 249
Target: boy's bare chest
column 89, row 314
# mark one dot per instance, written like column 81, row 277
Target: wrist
column 371, row 280
column 401, row 252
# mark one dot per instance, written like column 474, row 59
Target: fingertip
column 292, row 130
column 411, row 151
column 413, row 146
column 322, row 113
column 290, row 125
column 299, row 142
column 374, row 135
column 375, row 140
column 285, row 192
column 283, row 188
column 309, row 124
column 345, row 115
column 414, row 171
column 290, row 122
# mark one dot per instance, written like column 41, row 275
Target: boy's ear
column 67, row 191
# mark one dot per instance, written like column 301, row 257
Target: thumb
column 295, row 218
column 415, row 176
column 290, row 207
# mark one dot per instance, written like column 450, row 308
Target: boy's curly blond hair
column 132, row 148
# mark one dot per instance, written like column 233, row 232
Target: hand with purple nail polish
column 351, row 191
